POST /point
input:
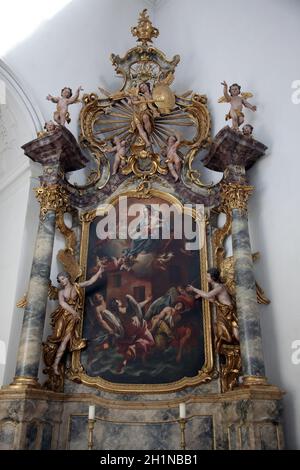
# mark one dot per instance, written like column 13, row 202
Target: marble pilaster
column 232, row 153
column 246, row 298
column 33, row 322
column 58, row 153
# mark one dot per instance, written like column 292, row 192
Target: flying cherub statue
column 62, row 115
column 237, row 101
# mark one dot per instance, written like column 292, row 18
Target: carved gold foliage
column 231, row 368
column 87, row 217
column 235, row 196
column 52, row 292
column 135, row 161
column 54, row 381
column 67, row 232
column 51, row 198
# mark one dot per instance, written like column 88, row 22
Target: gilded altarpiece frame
column 188, row 366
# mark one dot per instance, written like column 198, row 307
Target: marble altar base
column 246, row 418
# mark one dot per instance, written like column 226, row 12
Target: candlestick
column 182, row 423
column 91, row 424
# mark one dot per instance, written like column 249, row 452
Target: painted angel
column 137, row 339
column 110, row 323
column 163, row 317
column 237, row 100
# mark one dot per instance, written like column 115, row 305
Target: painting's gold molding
column 77, row 373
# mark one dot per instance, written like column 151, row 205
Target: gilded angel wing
column 227, row 274
column 223, row 100
column 246, row 94
column 184, row 95
column 133, row 308
column 261, row 297
column 70, row 264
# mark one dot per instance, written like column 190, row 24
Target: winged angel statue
column 226, row 318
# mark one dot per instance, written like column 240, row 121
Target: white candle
column 91, row 412
column 182, row 413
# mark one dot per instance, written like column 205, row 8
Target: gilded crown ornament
column 144, row 31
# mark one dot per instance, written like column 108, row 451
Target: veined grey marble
column 246, row 300
column 57, row 152
column 34, row 315
column 243, row 419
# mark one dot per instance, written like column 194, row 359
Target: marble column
column 236, row 196
column 57, row 152
column 51, row 197
column 233, row 154
column 33, row 321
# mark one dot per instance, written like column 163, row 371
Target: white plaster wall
column 16, row 127
column 255, row 44
column 73, row 48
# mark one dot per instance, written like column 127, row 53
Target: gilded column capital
column 235, row 196
column 51, row 198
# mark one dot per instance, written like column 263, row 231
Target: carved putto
column 62, row 116
column 237, row 101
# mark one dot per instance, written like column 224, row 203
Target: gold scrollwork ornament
column 51, row 198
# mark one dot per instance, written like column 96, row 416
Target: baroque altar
column 140, row 325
